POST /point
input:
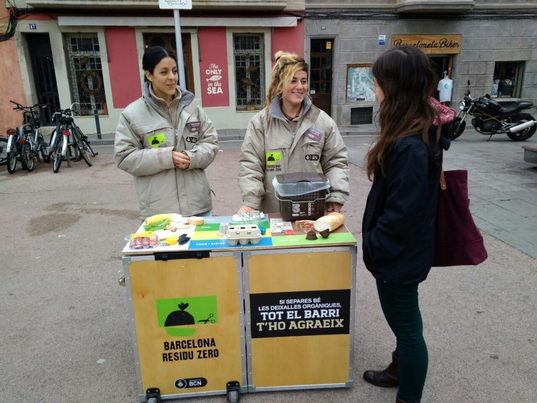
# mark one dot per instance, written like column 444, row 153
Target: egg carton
column 243, row 234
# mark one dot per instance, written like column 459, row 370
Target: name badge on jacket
column 314, row 134
column 193, row 127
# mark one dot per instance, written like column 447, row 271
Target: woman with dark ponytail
column 398, row 230
column 165, row 140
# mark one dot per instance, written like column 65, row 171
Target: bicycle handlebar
column 21, row 107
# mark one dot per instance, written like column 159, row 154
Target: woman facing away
column 398, row 229
column 165, row 140
column 290, row 135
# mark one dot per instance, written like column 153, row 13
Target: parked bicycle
column 26, row 143
column 32, row 128
column 67, row 141
column 3, row 153
column 14, row 150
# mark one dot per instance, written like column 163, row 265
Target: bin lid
column 299, row 183
column 294, row 177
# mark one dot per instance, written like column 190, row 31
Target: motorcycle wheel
column 526, row 133
column 458, row 127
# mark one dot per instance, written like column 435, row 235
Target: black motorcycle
column 490, row 117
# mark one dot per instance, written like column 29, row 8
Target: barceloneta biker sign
column 430, row 44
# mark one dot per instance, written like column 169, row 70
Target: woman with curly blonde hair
column 290, row 134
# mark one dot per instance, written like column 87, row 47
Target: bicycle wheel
column 44, row 151
column 23, row 151
column 28, row 157
column 11, row 158
column 56, row 150
column 86, row 141
column 85, row 151
column 56, row 161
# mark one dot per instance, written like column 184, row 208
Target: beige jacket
column 147, row 132
column 275, row 146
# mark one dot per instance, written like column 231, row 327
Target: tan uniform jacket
column 276, row 146
column 147, row 133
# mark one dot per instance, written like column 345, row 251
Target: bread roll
column 331, row 221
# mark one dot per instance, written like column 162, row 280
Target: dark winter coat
column 398, row 227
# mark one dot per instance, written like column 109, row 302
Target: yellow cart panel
column 187, row 318
column 300, row 308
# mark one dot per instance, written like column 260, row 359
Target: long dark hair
column 407, row 79
column 153, row 56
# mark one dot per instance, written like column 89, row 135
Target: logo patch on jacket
column 191, row 139
column 155, row 140
column 193, row 127
column 272, row 160
column 314, row 134
column 311, row 157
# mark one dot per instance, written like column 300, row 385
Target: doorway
column 321, row 73
column 44, row 74
column 441, row 65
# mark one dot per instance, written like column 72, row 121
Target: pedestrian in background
column 165, row 140
column 290, row 135
column 398, row 228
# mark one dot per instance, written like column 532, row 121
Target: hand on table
column 244, row 210
column 333, row 206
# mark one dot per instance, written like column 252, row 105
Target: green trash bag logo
column 181, row 316
column 156, row 140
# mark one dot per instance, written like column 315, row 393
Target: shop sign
column 213, row 67
column 213, row 78
column 301, row 313
column 215, row 85
column 430, row 44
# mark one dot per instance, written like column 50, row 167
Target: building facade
column 492, row 44
column 89, row 53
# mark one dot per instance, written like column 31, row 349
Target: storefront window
column 248, row 53
column 85, row 73
column 507, row 80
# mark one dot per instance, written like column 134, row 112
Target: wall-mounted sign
column 32, row 26
column 213, row 79
column 360, row 83
column 382, row 39
column 430, row 44
column 175, row 4
column 213, row 67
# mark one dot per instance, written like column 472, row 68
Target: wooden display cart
column 209, row 318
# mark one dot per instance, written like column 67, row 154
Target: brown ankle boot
column 388, row 378
column 397, row 400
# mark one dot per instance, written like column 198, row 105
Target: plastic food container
column 301, row 195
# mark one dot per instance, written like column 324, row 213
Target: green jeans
column 400, row 305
